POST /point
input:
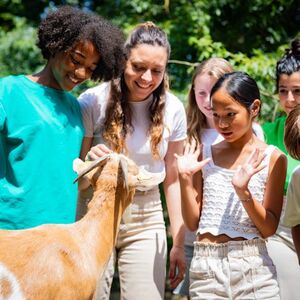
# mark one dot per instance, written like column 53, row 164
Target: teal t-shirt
column 40, row 135
column 274, row 135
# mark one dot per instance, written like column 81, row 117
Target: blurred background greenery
column 252, row 35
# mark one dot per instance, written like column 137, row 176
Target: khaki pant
column 233, row 270
column 288, row 270
column 140, row 252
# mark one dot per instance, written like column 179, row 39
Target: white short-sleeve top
column 93, row 104
column 292, row 210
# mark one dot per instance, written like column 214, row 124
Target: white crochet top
column 222, row 211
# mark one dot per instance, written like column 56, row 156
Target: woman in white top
column 233, row 198
column 136, row 115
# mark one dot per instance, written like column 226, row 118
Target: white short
column 233, row 270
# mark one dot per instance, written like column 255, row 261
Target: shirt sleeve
column 2, row 117
column 90, row 111
column 179, row 122
column 292, row 211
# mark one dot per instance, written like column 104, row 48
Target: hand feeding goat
column 57, row 261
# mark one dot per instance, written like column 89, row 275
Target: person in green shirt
column 40, row 121
column 280, row 246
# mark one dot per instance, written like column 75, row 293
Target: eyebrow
column 141, row 62
column 296, row 85
column 81, row 55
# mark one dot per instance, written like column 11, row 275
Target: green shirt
column 274, row 135
column 40, row 135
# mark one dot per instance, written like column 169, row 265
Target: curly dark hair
column 63, row 28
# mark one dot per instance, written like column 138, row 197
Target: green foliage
column 252, row 35
column 18, row 52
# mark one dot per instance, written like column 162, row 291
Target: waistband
column 152, row 191
column 231, row 248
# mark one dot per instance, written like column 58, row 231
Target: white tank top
column 222, row 211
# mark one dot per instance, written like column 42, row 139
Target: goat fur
column 64, row 261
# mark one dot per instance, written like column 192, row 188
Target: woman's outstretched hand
column 244, row 173
column 97, row 151
column 188, row 164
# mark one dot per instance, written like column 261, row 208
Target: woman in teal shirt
column 280, row 246
column 40, row 121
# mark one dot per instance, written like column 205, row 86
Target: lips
column 226, row 134
column 74, row 80
column 141, row 86
column 290, row 107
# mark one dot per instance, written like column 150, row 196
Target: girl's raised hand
column 244, row 173
column 188, row 164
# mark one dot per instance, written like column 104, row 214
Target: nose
column 290, row 96
column 207, row 101
column 147, row 76
column 223, row 123
column 82, row 73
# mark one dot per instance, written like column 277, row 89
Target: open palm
column 188, row 163
column 244, row 173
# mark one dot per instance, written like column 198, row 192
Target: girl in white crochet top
column 232, row 195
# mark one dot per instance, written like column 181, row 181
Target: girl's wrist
column 244, row 195
column 185, row 177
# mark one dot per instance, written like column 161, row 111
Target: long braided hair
column 117, row 122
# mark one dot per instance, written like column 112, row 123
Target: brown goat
column 63, row 262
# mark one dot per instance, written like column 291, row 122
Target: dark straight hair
column 240, row 86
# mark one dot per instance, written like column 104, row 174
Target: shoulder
column 9, row 82
column 296, row 174
column 278, row 158
column 175, row 117
column 173, row 103
column 174, row 108
column 94, row 96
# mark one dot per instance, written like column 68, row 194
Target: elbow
column 270, row 224
column 190, row 225
column 268, row 233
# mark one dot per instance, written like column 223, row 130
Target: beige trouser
column 233, row 270
column 140, row 252
column 288, row 271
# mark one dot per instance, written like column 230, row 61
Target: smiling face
column 289, row 91
column 145, row 70
column 232, row 120
column 72, row 67
column 202, row 86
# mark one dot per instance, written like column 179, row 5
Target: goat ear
column 124, row 168
column 90, row 165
